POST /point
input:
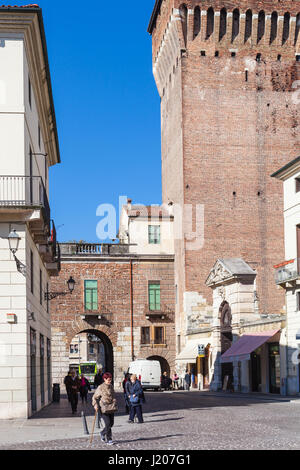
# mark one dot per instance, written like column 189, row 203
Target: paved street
column 173, row 421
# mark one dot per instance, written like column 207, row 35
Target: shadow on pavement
column 161, row 402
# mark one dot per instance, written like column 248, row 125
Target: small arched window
column 235, row 24
column 183, row 11
column 197, row 21
column 210, row 22
column 261, row 26
column 223, row 23
column 248, row 25
column 286, row 28
column 297, row 28
column 274, row 26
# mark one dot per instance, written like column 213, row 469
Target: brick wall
column 228, row 121
column 115, row 307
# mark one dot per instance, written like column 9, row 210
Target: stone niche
column 233, row 284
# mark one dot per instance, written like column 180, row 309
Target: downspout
column 131, row 311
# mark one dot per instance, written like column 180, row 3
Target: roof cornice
column 154, row 15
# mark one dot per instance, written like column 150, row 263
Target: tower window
column 217, row 54
column 233, row 54
column 210, row 22
column 261, row 26
column 203, row 53
column 197, row 21
column 274, row 26
column 248, row 26
column 235, row 24
column 286, row 28
column 297, row 28
column 258, row 57
column 223, row 23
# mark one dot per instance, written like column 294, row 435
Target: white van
column 147, row 372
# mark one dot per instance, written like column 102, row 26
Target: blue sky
column 107, row 110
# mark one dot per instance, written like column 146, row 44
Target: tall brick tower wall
column 227, row 72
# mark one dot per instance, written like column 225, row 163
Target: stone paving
column 173, row 421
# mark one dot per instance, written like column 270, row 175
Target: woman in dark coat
column 135, row 395
column 84, row 388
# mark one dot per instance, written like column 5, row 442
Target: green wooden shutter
column 154, row 296
column 91, row 295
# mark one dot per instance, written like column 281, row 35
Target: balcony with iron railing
column 23, row 193
column 92, row 249
column 287, row 272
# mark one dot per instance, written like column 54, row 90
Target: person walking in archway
column 104, row 400
column 135, row 396
column 84, row 388
column 73, row 384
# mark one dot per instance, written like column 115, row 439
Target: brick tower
column 227, row 73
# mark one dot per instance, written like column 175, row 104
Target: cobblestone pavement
column 173, row 421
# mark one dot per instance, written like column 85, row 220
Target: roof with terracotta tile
column 148, row 211
column 32, row 5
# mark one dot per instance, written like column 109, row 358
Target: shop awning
column 243, row 347
column 190, row 353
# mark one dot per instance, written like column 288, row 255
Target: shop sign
column 201, row 350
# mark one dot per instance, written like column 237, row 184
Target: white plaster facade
column 134, row 225
column 287, row 275
column 27, row 121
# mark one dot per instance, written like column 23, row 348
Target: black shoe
column 130, row 421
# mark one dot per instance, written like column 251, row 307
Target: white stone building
column 148, row 229
column 288, row 274
column 28, row 147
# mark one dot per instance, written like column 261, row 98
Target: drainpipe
column 131, row 311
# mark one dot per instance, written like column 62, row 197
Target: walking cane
column 91, row 440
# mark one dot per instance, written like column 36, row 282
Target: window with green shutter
column 154, row 295
column 154, row 234
column 91, row 295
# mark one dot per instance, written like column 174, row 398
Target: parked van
column 147, row 372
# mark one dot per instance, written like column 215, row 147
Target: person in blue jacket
column 135, row 397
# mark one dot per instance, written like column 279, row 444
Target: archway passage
column 163, row 364
column 92, row 345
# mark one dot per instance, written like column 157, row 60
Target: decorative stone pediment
column 230, row 268
column 218, row 274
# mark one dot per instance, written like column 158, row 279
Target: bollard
column 98, row 420
column 85, row 428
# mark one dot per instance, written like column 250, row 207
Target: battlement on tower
column 260, row 30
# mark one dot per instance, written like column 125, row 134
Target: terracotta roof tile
column 32, row 5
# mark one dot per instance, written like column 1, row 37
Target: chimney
column 129, row 201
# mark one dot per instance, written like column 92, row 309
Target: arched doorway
column 226, row 338
column 163, row 364
column 92, row 346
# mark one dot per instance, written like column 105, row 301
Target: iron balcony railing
column 287, row 271
column 24, row 191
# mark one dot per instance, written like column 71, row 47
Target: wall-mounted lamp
column 52, row 295
column 13, row 242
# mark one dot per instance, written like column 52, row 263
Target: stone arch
column 210, row 22
column 235, row 24
column 223, row 23
column 197, row 21
column 164, row 364
column 248, row 25
column 274, row 26
column 63, row 336
column 261, row 26
column 183, row 12
column 286, row 27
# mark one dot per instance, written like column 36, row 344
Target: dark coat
column 134, row 389
column 187, row 379
column 72, row 386
column 98, row 379
column 84, row 389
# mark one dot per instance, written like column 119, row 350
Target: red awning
column 243, row 347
